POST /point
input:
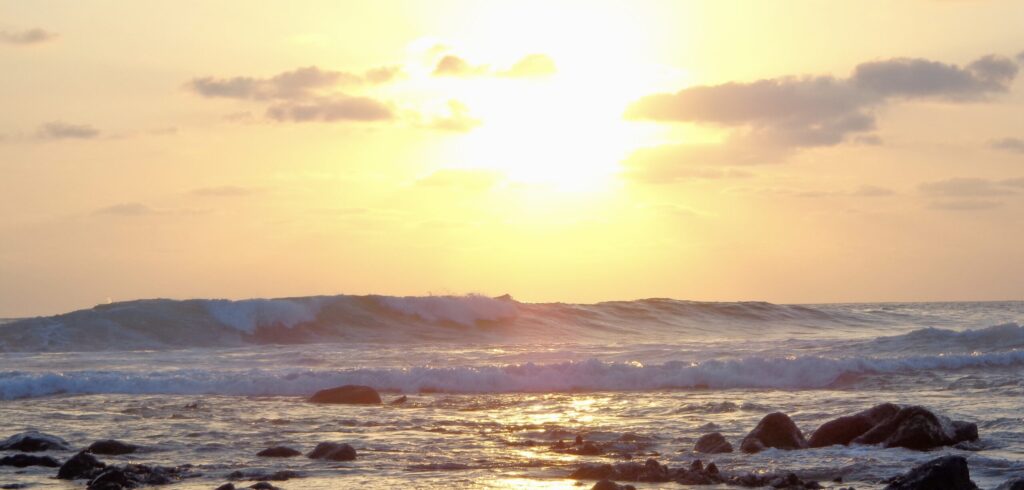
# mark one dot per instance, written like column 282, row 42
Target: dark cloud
column 222, row 191
column 290, row 85
column 58, row 130
column 1015, row 145
column 340, row 108
column 964, row 186
column 965, row 204
column 780, row 115
column 127, row 209
column 26, row 37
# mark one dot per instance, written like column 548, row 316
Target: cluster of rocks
column 100, row 476
column 694, row 474
column 886, row 425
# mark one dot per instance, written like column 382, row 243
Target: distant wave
column 592, row 375
column 999, row 337
column 163, row 324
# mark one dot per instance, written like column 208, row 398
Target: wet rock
column 24, row 460
column 264, row 486
column 34, row 441
column 13, row 486
column 610, row 485
column 399, row 401
column 111, row 447
column 775, row 430
column 278, row 452
column 333, row 451
column 81, row 466
column 1013, row 484
column 589, row 449
column 227, row 486
column 136, row 475
column 776, row 480
column 916, row 427
column 945, row 473
column 712, row 443
column 845, row 429
column 348, row 394
column 592, row 471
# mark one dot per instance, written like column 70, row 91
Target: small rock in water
column 227, row 486
column 81, row 466
column 111, row 447
column 712, row 443
column 333, row 451
column 945, row 473
column 774, row 430
column 24, row 460
column 278, row 452
column 264, row 486
column 348, row 394
column 34, row 441
column 1013, row 484
column 399, row 401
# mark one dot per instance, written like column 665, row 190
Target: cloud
column 1020, row 57
column 1017, row 182
column 458, row 119
column 296, row 84
column 470, row 179
column 533, row 65
column 1015, row 145
column 964, row 186
column 781, row 115
column 872, row 191
column 27, row 37
column 127, row 209
column 58, row 130
column 340, row 108
column 222, row 191
column 965, row 204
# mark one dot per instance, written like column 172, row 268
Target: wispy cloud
column 27, row 37
column 58, row 130
column 533, row 65
column 1015, row 145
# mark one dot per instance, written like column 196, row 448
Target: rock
column 915, row 427
column 610, row 485
column 775, row 430
column 23, row 460
column 333, row 451
column 399, row 401
column 283, row 475
column 845, row 429
column 264, row 486
column 111, row 447
column 227, row 486
column 278, row 452
column 1012, row 484
column 589, row 449
column 34, row 441
column 81, row 466
column 13, row 486
column 349, row 394
column 712, row 443
column 592, row 471
column 135, row 475
column 774, row 480
column 945, row 473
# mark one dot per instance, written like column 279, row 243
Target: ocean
column 492, row 384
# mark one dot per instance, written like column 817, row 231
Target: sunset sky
column 786, row 151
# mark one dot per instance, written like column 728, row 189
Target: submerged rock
column 24, row 460
column 81, row 466
column 348, row 394
column 333, row 451
column 712, row 443
column 945, row 473
column 916, row 427
column 34, row 441
column 111, row 447
column 846, row 429
column 774, row 430
column 278, row 452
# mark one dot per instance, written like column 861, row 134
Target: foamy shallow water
column 489, row 395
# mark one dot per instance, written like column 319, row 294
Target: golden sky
column 788, row 151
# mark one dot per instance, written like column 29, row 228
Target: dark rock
column 589, row 449
column 399, row 401
column 945, row 473
column 227, row 486
column 34, row 441
column 264, row 486
column 81, row 466
column 712, row 443
column 579, row 439
column 915, row 427
column 775, row 430
column 845, row 429
column 278, row 452
column 111, row 447
column 23, row 460
column 712, row 468
column 592, row 471
column 1012, row 484
column 350, row 394
column 774, row 480
column 136, row 475
column 333, row 451
column 13, row 486
column 610, row 485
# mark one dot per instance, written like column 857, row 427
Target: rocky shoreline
column 885, row 426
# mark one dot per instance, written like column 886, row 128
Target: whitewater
column 492, row 382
